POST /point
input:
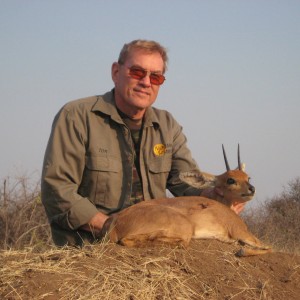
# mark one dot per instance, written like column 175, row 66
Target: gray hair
column 144, row 45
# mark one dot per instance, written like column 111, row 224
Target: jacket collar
column 106, row 104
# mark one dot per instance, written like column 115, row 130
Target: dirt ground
column 206, row 270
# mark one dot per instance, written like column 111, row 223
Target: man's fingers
column 238, row 207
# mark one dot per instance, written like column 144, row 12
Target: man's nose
column 145, row 81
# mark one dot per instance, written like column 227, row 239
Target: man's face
column 133, row 95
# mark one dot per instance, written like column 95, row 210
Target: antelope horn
column 239, row 158
column 225, row 158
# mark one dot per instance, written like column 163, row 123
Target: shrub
column 277, row 221
column 23, row 222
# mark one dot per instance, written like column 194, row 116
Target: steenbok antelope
column 230, row 188
column 178, row 220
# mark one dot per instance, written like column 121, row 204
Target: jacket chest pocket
column 103, row 164
column 159, row 169
column 101, row 181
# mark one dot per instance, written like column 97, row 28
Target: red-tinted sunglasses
column 139, row 73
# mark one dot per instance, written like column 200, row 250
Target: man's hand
column 95, row 224
column 238, row 207
column 109, row 223
column 212, row 193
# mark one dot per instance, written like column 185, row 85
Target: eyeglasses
column 139, row 73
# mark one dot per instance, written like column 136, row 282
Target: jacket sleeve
column 63, row 167
column 182, row 161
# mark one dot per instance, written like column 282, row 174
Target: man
column 108, row 152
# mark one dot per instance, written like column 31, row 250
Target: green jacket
column 89, row 156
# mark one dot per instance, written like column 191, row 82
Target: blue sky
column 233, row 76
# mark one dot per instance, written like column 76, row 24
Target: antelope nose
column 252, row 189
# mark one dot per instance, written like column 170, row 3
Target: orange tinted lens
column 157, row 79
column 137, row 73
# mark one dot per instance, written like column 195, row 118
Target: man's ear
column 115, row 71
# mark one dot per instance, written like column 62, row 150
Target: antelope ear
column 197, row 179
column 243, row 167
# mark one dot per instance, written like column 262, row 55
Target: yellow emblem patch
column 159, row 149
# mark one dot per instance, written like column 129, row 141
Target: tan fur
column 239, row 191
column 178, row 220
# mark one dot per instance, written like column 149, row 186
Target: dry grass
column 207, row 270
column 32, row 268
column 94, row 273
column 23, row 222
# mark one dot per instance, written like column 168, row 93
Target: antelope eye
column 230, row 181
